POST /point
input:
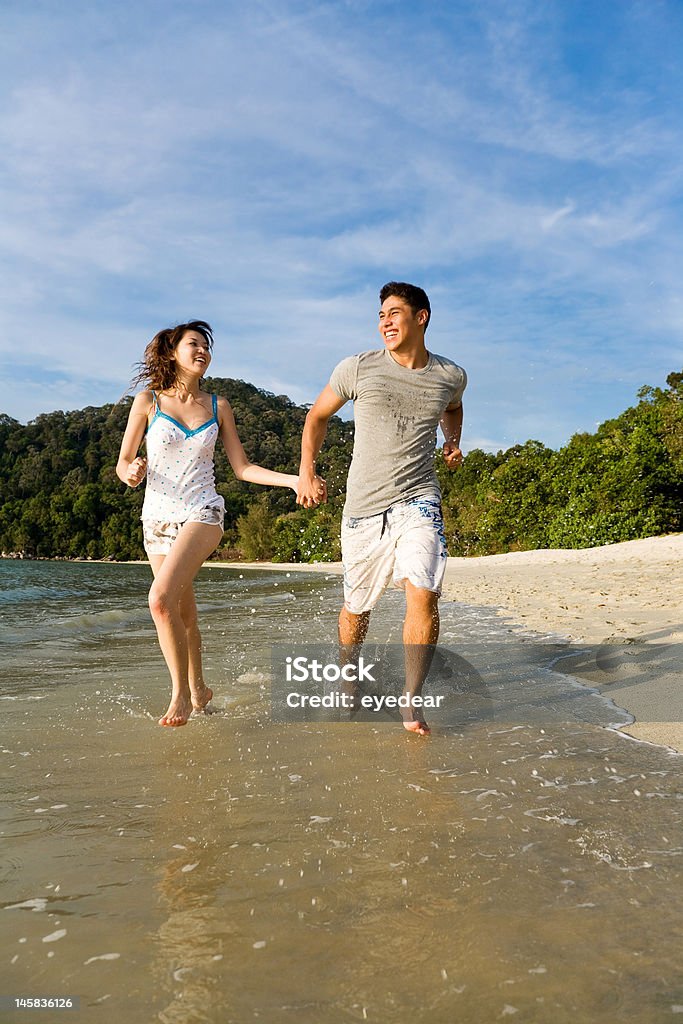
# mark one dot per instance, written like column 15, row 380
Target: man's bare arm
column 310, row 492
column 451, row 424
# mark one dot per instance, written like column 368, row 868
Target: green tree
column 256, row 531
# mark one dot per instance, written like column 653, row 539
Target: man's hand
column 452, row 455
column 136, row 471
column 312, row 490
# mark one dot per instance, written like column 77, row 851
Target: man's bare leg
column 173, row 576
column 353, row 629
column 420, row 634
column 352, row 632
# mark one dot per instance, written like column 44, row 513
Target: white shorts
column 157, row 538
column 406, row 542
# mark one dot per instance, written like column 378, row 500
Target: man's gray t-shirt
column 396, row 413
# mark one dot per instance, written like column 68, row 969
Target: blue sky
column 268, row 166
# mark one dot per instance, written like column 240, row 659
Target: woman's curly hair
column 157, row 369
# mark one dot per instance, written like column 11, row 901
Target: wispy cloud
column 268, row 166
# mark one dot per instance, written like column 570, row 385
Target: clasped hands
column 312, row 490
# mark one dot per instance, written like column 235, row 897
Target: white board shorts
column 407, row 542
column 158, row 538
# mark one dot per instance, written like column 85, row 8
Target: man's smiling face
column 400, row 327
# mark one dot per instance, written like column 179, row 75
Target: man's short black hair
column 415, row 297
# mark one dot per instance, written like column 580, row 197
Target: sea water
column 523, row 861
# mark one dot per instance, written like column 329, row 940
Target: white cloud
column 267, row 167
column 548, row 222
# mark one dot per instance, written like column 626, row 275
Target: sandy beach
column 622, row 605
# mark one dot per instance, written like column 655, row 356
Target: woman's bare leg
column 201, row 693
column 173, row 576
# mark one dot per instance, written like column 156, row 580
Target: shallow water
column 238, row 870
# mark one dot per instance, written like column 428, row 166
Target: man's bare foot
column 201, row 697
column 421, row 728
column 179, row 710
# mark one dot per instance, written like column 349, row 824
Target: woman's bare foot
column 201, row 697
column 179, row 710
column 421, row 728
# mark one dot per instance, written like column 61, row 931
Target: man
column 392, row 525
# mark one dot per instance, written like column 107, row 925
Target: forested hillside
column 60, row 497
column 623, row 482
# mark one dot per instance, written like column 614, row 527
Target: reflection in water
column 508, row 868
column 520, row 862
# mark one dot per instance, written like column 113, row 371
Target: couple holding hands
column 392, row 527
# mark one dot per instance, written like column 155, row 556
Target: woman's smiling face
column 192, row 353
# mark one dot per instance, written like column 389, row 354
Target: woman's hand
column 136, row 471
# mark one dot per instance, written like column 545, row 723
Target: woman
column 182, row 514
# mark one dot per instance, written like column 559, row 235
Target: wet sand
column 624, row 602
column 622, row 605
column 521, row 862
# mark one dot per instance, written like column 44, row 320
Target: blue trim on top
column 185, row 430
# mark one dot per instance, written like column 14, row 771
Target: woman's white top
column 180, row 472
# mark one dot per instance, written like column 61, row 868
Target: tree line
column 60, row 497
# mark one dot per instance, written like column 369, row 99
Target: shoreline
column 621, row 605
column 618, row 593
